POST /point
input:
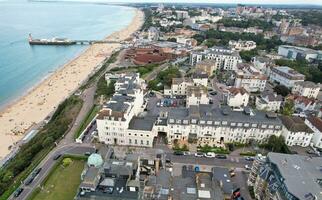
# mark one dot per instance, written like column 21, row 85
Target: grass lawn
column 62, row 183
column 89, row 117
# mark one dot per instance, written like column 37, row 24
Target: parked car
column 221, row 156
column 36, row 172
column 232, row 174
column 186, row 153
column 210, row 155
column 247, row 167
column 29, row 180
column 18, row 192
column 57, row 156
column 178, row 153
column 249, row 158
column 87, row 153
column 199, row 154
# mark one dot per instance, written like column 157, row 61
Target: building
column 153, row 34
column 215, row 126
column 179, row 86
column 208, row 66
column 296, row 132
column 250, row 78
column 148, row 55
column 315, row 124
column 182, row 14
column 289, row 176
column 236, row 97
column 263, row 64
column 225, row 59
column 306, row 89
column 285, row 76
column 257, row 164
column 269, row 101
column 197, row 95
column 118, row 122
column 294, row 52
column 200, row 78
column 302, row 104
column 241, row 45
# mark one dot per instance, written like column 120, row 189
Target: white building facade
column 315, row 124
column 250, row 78
column 269, row 102
column 237, row 97
column 296, row 132
column 117, row 123
column 225, row 59
column 306, row 89
column 285, row 76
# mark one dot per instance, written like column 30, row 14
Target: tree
column 288, row 108
column 276, row 144
column 248, row 55
column 172, row 40
column 281, row 90
column 67, row 162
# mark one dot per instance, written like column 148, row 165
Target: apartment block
column 285, row 76
column 250, row 78
column 236, row 97
column 306, row 89
column 269, row 101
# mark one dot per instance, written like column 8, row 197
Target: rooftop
column 220, row 115
column 316, row 122
column 307, row 84
column 301, row 173
column 144, row 124
column 295, row 124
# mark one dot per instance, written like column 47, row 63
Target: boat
column 53, row 41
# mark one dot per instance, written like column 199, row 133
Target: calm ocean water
column 22, row 65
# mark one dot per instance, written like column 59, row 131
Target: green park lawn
column 62, row 183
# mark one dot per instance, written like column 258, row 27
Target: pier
column 65, row 41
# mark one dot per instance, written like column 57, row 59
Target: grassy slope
column 58, row 186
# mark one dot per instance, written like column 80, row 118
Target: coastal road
column 66, row 146
column 49, row 162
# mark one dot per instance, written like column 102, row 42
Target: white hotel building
column 118, row 122
column 225, row 59
column 215, row 126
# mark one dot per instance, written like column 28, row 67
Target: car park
column 221, row 156
column 210, row 155
column 199, row 154
column 18, row 192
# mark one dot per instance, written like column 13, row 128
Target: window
column 147, row 142
column 130, row 141
column 141, row 142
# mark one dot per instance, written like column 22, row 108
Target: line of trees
column 266, row 26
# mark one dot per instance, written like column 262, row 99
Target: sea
column 23, row 66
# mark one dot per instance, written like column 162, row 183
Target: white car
column 199, row 154
column 247, row 167
column 210, row 155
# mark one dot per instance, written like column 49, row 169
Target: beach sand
column 37, row 104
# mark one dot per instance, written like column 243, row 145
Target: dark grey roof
column 271, row 96
column 222, row 176
column 307, row 84
column 295, row 124
column 209, row 114
column 118, row 103
column 145, row 124
column 301, row 173
column 119, row 167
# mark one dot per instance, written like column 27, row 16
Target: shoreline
column 42, row 99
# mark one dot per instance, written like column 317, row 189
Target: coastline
column 42, row 99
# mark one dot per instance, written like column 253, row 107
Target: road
column 49, row 162
column 66, row 145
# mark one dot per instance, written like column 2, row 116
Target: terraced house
column 215, row 126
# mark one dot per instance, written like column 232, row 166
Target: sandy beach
column 37, row 104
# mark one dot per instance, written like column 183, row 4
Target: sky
column 312, row 2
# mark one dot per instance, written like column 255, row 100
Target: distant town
column 201, row 103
